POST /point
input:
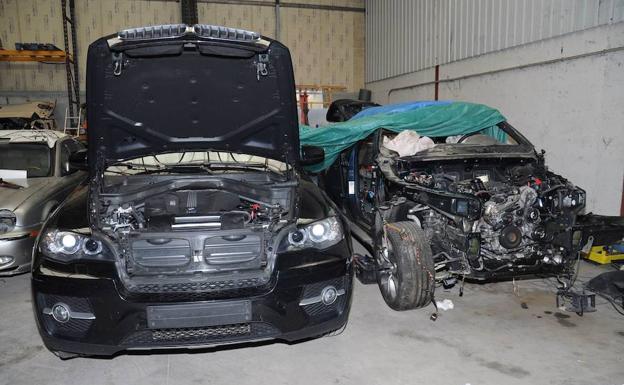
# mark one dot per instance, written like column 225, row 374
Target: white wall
column 567, row 97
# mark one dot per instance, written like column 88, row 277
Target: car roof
column 50, row 137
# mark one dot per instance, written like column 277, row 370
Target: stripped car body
column 197, row 228
column 28, row 116
column 34, row 180
column 470, row 207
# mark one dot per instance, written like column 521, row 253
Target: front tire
column 407, row 275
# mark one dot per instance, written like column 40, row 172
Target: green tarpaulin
column 437, row 120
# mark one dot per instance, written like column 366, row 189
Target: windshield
column 206, row 162
column 34, row 158
column 502, row 137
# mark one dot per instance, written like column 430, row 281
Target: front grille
column 198, row 291
column 174, row 253
column 193, row 287
column 187, row 334
column 246, row 253
column 203, row 335
column 74, row 328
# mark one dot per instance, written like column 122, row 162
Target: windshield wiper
column 4, row 183
column 182, row 168
column 235, row 166
column 195, row 167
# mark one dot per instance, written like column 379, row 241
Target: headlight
column 321, row 235
column 7, row 221
column 66, row 246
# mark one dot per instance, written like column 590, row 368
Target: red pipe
column 304, row 106
column 437, row 81
column 622, row 205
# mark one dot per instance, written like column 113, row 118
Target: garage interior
column 554, row 68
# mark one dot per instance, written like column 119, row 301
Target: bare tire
column 407, row 281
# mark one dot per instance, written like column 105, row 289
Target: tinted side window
column 65, row 152
column 75, row 145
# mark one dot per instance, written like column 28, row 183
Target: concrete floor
column 493, row 336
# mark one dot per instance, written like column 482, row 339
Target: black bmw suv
column 195, row 227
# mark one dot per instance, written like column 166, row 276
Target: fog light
column 60, row 312
column 329, row 295
column 4, row 259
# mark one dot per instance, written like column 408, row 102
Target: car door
column 335, row 182
column 66, row 178
column 352, row 181
column 364, row 181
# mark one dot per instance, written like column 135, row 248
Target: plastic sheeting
column 432, row 119
column 407, row 142
column 398, row 107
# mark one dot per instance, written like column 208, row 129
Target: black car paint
column 190, row 99
column 120, row 315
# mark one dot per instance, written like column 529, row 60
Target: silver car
column 34, row 178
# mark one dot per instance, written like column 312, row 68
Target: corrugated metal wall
column 404, row 36
column 327, row 46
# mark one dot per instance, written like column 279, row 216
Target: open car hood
column 175, row 88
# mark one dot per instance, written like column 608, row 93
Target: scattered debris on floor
column 445, row 304
column 610, row 286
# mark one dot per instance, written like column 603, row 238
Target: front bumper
column 119, row 322
column 17, row 246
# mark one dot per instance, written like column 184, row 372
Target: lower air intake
column 186, row 334
column 203, row 335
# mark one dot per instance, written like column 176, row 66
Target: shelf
column 32, row 56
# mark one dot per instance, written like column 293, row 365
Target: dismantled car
column 446, row 191
column 28, row 116
column 35, row 178
column 196, row 227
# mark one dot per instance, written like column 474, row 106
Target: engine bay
column 176, row 227
column 188, row 209
column 493, row 216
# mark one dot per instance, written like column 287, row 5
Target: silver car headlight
column 67, row 245
column 320, row 234
column 7, row 221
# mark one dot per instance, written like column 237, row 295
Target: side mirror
column 311, row 155
column 78, row 160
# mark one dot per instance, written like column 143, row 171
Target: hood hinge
column 117, row 63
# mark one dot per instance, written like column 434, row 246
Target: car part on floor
column 610, row 286
column 605, row 254
column 574, row 302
